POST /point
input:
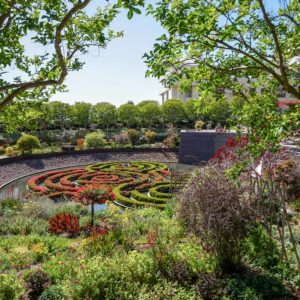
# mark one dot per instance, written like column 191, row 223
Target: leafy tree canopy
column 80, row 113
column 145, row 102
column 128, row 114
column 190, row 109
column 173, row 111
column 59, row 31
column 213, row 110
column 58, row 113
column 224, row 40
column 104, row 114
column 150, row 113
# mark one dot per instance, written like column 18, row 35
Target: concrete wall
column 196, row 147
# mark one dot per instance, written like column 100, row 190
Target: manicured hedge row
column 135, row 184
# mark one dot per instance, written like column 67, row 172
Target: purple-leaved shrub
column 215, row 209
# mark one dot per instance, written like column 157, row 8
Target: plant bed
column 133, row 183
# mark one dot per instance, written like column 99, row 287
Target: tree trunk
column 93, row 213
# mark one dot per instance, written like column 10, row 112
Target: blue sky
column 117, row 74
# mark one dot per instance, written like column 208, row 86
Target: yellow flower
column 21, row 249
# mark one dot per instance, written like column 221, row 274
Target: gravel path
column 12, row 171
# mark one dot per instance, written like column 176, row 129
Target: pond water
column 17, row 189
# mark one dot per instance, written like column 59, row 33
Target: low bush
column 10, row 287
column 35, row 282
column 73, row 209
column 165, row 290
column 172, row 139
column 255, row 286
column 9, row 205
column 80, row 144
column 150, row 136
column 28, row 142
column 120, row 138
column 199, row 125
column 22, row 225
column 3, row 141
column 160, row 137
column 133, row 136
column 209, row 286
column 261, row 250
column 94, row 140
column 9, row 151
column 67, row 147
column 52, row 293
column 64, row 224
column 213, row 208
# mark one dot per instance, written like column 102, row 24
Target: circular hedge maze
column 135, row 184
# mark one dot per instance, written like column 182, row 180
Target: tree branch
column 277, row 44
column 21, row 87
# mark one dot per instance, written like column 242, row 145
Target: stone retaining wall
column 16, row 167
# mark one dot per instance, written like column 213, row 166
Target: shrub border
column 21, row 158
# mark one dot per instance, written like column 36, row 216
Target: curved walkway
column 15, row 170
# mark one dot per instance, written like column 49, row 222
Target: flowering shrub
column 172, row 139
column 91, row 195
column 199, row 124
column 231, row 150
column 80, row 144
column 64, row 223
column 150, row 136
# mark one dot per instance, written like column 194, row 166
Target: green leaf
column 130, row 14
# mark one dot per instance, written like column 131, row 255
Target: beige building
column 175, row 93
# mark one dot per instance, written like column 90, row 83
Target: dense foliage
column 59, row 32
column 224, row 41
column 212, row 206
column 28, row 142
column 146, row 251
column 94, row 140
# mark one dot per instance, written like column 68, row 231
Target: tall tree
column 173, row 111
column 80, row 114
column 58, row 113
column 128, row 114
column 225, row 40
column 104, row 114
column 150, row 113
column 190, row 110
column 215, row 110
column 60, row 31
